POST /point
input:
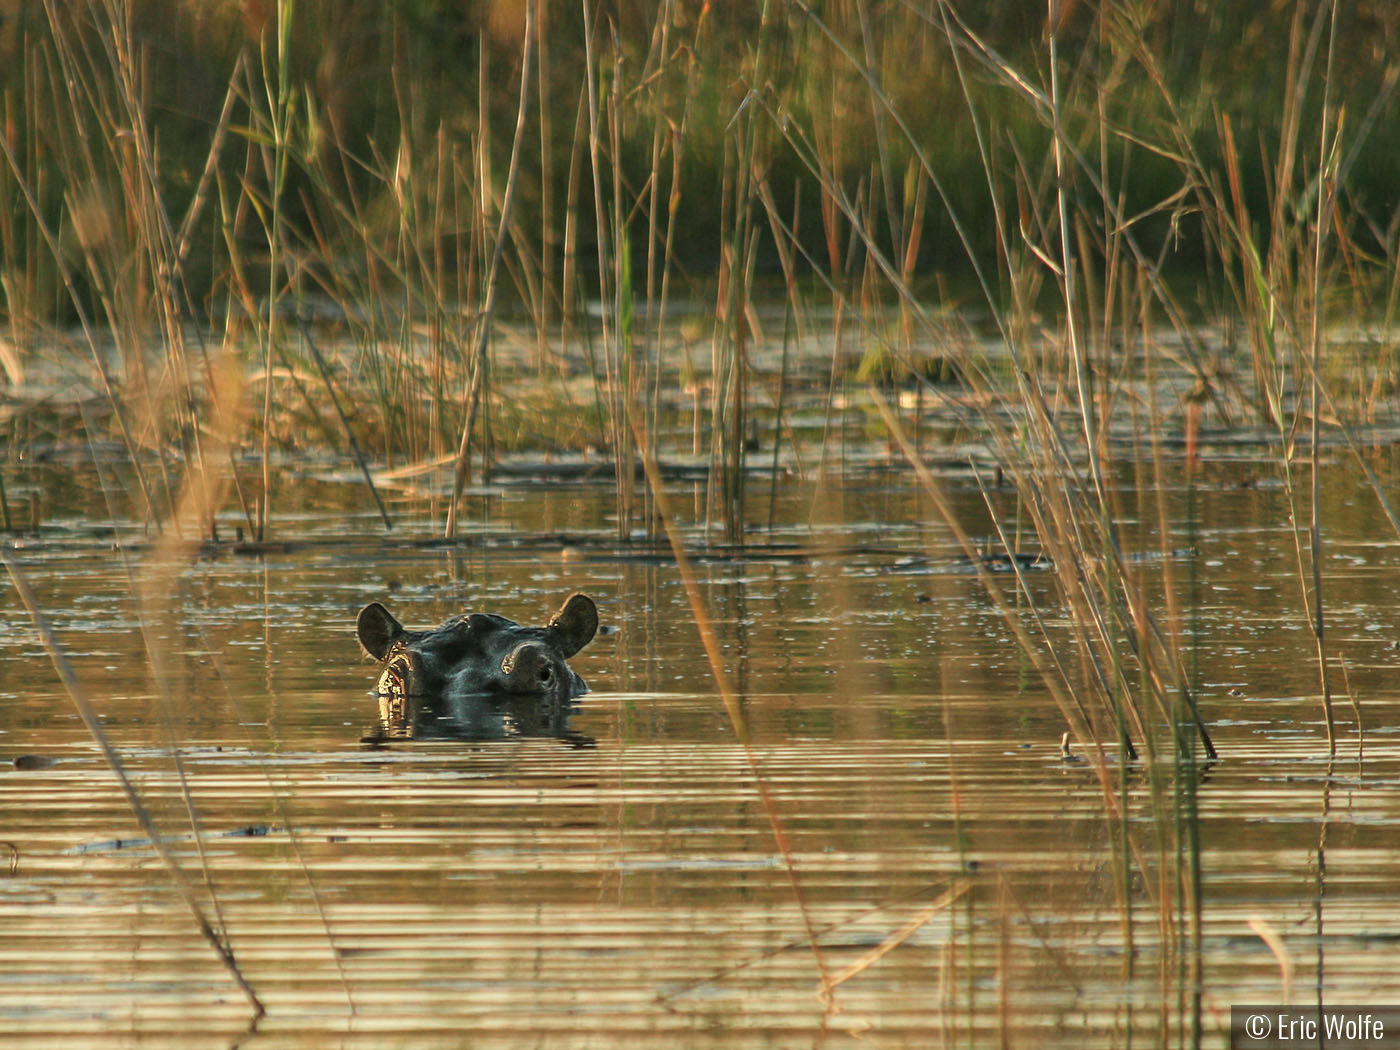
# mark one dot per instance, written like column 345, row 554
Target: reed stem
column 480, row 355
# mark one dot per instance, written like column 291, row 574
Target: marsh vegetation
column 1011, row 297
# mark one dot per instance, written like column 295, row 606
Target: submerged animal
column 465, row 677
column 479, row 653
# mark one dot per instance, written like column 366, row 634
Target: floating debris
column 32, row 762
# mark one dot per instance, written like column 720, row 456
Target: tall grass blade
column 344, row 423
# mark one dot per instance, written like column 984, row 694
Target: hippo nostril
column 530, row 667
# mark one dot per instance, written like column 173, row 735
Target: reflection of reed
column 700, row 611
column 217, row 938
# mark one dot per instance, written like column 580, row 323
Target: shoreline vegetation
column 384, row 214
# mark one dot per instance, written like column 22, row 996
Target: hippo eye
column 395, row 681
column 480, row 623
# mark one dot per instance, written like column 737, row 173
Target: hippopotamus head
column 479, row 654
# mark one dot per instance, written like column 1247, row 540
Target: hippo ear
column 574, row 624
column 377, row 629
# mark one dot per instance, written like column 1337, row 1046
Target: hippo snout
column 530, row 668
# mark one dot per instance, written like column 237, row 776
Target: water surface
column 903, row 825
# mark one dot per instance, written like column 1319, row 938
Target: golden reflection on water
column 948, row 863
